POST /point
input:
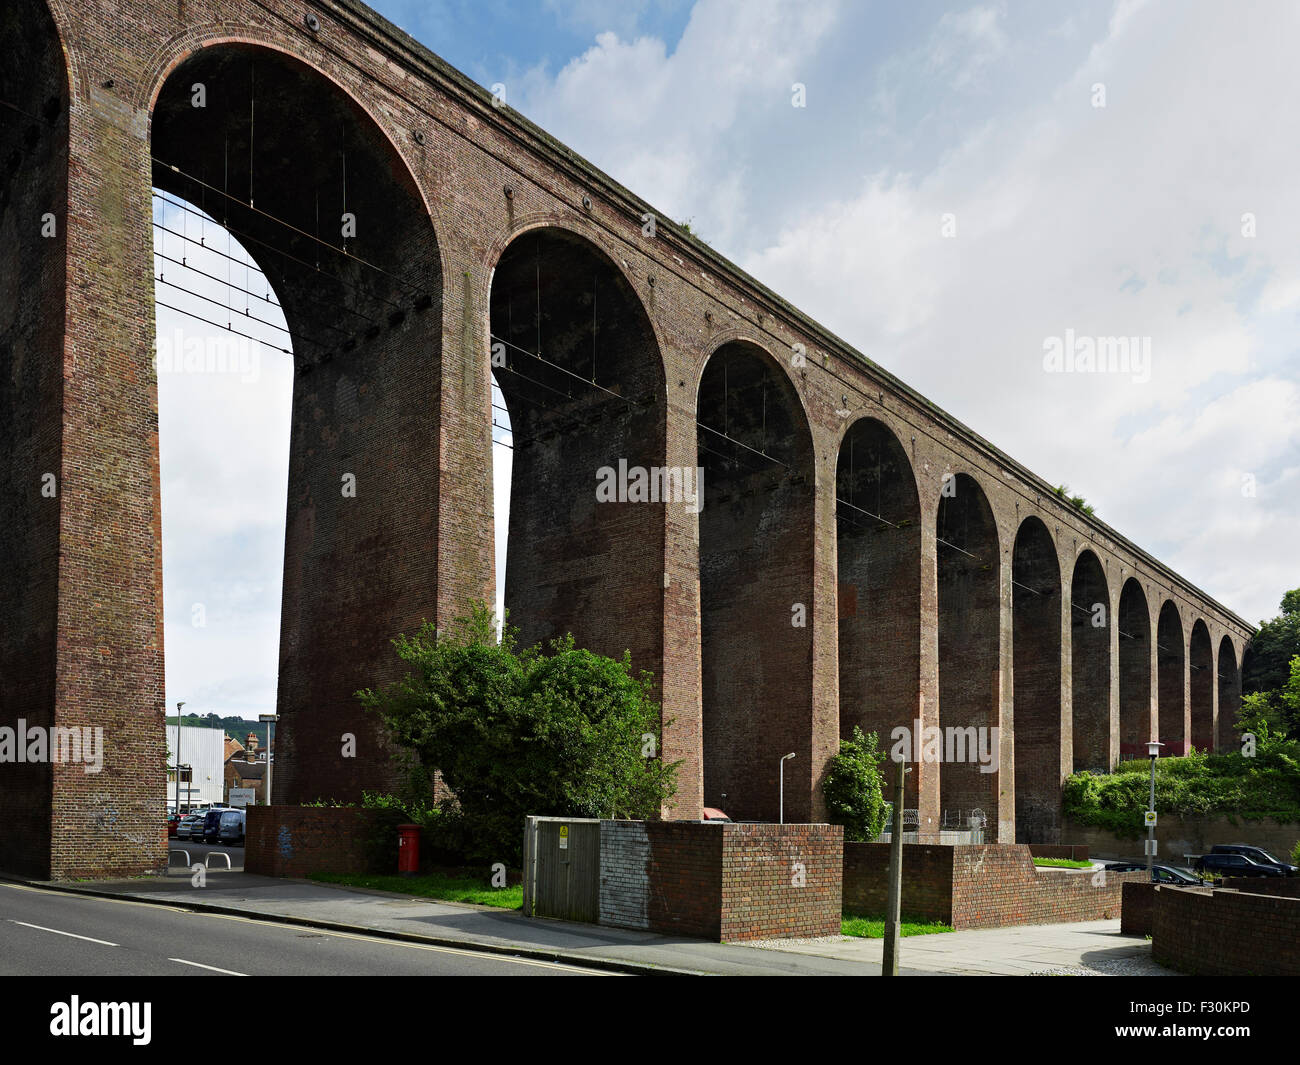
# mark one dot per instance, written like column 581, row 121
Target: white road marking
column 213, row 968
column 72, row 935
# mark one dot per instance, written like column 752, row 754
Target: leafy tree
column 1268, row 667
column 562, row 733
column 852, row 788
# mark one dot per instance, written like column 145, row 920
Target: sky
column 964, row 190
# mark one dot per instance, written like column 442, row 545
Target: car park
column 190, row 827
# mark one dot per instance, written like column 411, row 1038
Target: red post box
column 408, row 849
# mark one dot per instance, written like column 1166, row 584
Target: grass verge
column 1061, row 863
column 870, row 926
column 434, row 886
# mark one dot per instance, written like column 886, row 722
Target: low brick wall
column 979, row 886
column 724, row 882
column 1225, row 932
column 1138, row 902
column 1070, row 851
column 297, row 840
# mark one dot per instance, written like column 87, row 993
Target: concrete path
column 1012, row 951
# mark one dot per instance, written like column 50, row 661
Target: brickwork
column 1225, row 933
column 294, row 841
column 725, row 882
column 398, row 396
column 980, row 886
column 1090, row 682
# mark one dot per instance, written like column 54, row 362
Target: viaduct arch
column 946, row 604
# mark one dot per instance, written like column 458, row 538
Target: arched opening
column 1135, row 726
column 1171, row 670
column 878, row 531
column 33, row 274
column 580, row 379
column 968, row 560
column 1090, row 629
column 1201, row 661
column 756, row 564
column 1036, row 653
column 878, row 535
column 255, row 147
column 1229, row 678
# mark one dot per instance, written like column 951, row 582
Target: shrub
column 852, row 788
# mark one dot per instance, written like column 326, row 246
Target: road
column 51, row 933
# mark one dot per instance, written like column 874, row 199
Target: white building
column 203, row 765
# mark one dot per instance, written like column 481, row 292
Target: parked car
column 1255, row 854
column 211, row 823
column 173, row 822
column 1172, row 874
column 1160, row 874
column 190, row 827
column 1237, row 865
column 713, row 814
column 230, row 827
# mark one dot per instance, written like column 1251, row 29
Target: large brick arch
column 878, row 531
column 1091, row 625
column 1171, row 669
column 1036, row 650
column 579, row 365
column 1201, row 665
column 756, row 634
column 1228, row 678
column 286, row 160
column 1136, row 657
column 970, row 574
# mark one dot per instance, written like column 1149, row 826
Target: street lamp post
column 784, row 758
column 178, row 757
column 270, row 720
column 1153, row 749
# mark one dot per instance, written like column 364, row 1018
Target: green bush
column 562, row 733
column 852, row 788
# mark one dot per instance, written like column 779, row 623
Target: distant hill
column 237, row 728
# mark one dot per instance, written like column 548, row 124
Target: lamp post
column 178, row 758
column 784, row 758
column 1153, row 749
column 270, row 720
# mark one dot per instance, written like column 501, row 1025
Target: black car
column 1255, row 854
column 1160, row 874
column 1237, row 865
column 211, row 827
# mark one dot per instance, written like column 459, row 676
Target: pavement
column 1095, row 947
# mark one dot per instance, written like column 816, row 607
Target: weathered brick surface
column 297, row 840
column 400, row 399
column 985, row 886
column 727, row 882
column 1225, row 932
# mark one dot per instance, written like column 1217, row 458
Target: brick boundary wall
column 297, row 840
column 979, row 886
column 1225, row 932
column 724, row 882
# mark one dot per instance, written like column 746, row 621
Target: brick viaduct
column 986, row 602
